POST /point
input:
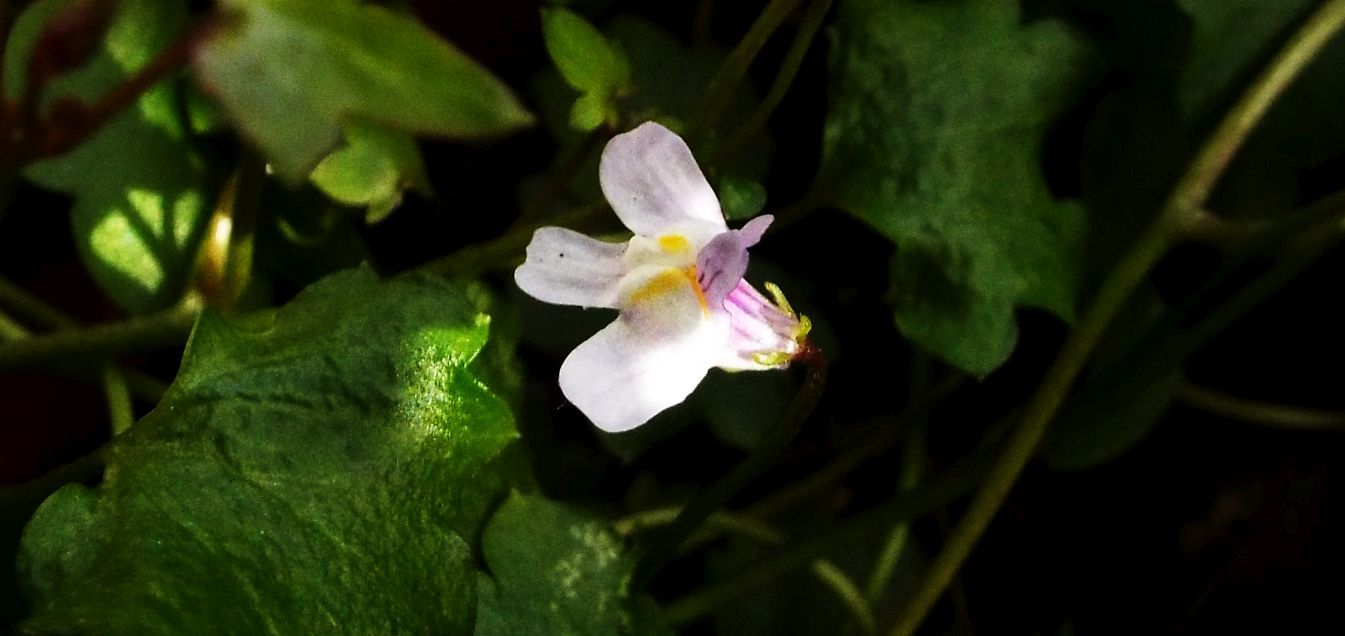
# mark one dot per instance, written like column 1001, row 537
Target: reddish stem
column 72, row 123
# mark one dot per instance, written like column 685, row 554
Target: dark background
column 1208, row 525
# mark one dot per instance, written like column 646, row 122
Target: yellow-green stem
column 731, row 73
column 831, row 576
column 1181, row 211
column 784, row 78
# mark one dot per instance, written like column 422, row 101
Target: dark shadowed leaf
column 1228, row 37
column 314, row 469
column 555, row 571
column 291, row 73
column 937, row 115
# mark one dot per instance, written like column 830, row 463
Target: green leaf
column 317, row 468
column 140, row 196
column 662, row 69
column 587, row 61
column 591, row 110
column 937, row 115
column 555, row 571
column 589, row 64
column 1229, row 36
column 290, row 73
column 737, row 420
column 372, row 170
column 740, row 198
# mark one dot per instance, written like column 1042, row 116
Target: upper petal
column 628, row 373
column 567, row 268
column 723, row 261
column 650, row 178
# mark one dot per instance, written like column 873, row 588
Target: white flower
column 678, row 285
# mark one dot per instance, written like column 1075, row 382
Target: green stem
column 731, row 73
column 1183, row 208
column 664, row 546
column 1223, row 144
column 10, row 329
column 1260, row 412
column 38, row 312
column 57, row 141
column 1038, row 413
column 912, row 466
column 164, row 329
column 825, row 571
column 955, row 483
column 120, row 412
column 784, row 78
column 30, row 307
column 889, row 432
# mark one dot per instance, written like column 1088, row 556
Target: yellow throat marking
column 670, row 281
column 674, row 244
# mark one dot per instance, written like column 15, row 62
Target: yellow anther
column 779, row 298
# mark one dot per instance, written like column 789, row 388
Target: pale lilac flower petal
column 761, row 334
column 650, row 178
column 723, row 261
column 678, row 284
column 567, row 268
column 628, row 373
column 751, row 232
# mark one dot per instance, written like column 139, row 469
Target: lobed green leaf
column 937, row 116
column 322, row 467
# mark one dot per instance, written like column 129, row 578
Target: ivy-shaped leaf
column 318, row 468
column 937, row 115
column 555, row 571
column 140, row 198
column 291, row 73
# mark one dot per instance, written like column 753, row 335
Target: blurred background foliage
column 364, row 432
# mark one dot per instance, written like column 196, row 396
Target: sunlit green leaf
column 372, row 169
column 290, row 73
column 140, row 197
column 587, row 61
column 554, row 570
column 317, row 468
column 591, row 110
column 937, row 115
